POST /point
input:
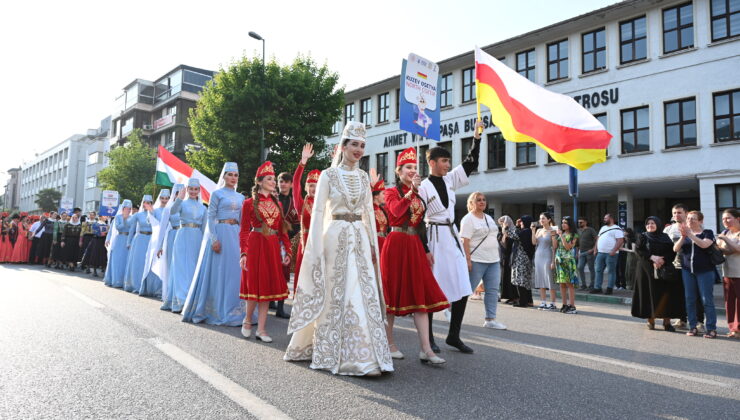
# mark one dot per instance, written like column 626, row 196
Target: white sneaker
column 494, row 325
column 448, row 315
column 542, row 307
column 246, row 332
column 679, row 324
column 700, row 327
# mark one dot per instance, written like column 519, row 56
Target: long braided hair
column 255, row 203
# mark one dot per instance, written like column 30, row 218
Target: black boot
column 95, row 272
column 453, row 337
column 432, row 344
column 273, row 305
column 280, row 311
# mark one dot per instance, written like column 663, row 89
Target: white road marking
column 240, row 395
column 92, row 302
column 485, row 340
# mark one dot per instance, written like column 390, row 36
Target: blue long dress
column 116, row 270
column 183, row 251
column 138, row 244
column 152, row 284
column 214, row 295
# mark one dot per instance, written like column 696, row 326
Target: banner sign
column 66, row 205
column 419, row 101
column 108, row 203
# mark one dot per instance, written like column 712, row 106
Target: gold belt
column 269, row 231
column 409, row 230
column 144, row 233
column 191, row 225
column 347, row 217
column 228, row 221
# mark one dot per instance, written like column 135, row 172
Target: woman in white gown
column 338, row 316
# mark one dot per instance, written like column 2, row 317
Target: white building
column 662, row 76
column 64, row 167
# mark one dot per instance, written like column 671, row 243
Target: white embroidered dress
column 338, row 316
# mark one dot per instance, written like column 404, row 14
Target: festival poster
column 66, row 205
column 108, row 203
column 419, row 101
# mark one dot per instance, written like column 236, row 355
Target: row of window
column 58, row 157
column 679, row 125
column 678, row 34
column 728, row 197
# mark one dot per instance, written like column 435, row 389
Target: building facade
column 660, row 75
column 11, row 197
column 95, row 160
column 159, row 109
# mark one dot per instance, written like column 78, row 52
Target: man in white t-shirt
column 610, row 239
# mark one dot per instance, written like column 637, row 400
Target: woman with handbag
column 698, row 271
column 658, row 287
column 479, row 234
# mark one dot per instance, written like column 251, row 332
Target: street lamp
column 256, row 36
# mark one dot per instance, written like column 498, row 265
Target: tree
column 297, row 103
column 131, row 169
column 48, row 199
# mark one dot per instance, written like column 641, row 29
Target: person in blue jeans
column 697, row 272
column 610, row 239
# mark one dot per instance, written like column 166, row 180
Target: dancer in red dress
column 22, row 244
column 408, row 283
column 263, row 232
column 381, row 217
column 304, row 207
column 6, row 248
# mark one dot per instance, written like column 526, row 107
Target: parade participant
column 479, row 234
column 381, row 217
column 291, row 215
column 213, row 297
column 22, row 243
column 184, row 256
column 117, row 244
column 137, row 243
column 6, row 249
column 446, row 252
column 337, row 320
column 151, row 284
column 87, row 236
column 35, row 231
column 57, row 258
column 565, row 264
column 47, row 238
column 96, row 256
column 304, row 207
column 408, row 283
column 70, row 242
column 261, row 236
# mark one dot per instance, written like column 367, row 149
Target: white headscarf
column 112, row 231
column 352, row 131
column 160, row 229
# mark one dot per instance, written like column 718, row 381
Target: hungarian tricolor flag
column 527, row 112
column 171, row 170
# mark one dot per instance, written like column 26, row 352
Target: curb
column 626, row 301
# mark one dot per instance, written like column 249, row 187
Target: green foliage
column 131, row 169
column 298, row 104
column 48, row 199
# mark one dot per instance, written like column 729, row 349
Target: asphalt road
column 73, row 348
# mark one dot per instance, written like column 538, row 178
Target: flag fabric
column 171, row 170
column 527, row 112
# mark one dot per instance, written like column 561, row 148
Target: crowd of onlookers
column 671, row 268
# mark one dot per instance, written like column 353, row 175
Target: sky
column 65, row 62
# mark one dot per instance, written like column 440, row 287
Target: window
column 383, row 107
column 727, row 116
column 526, row 154
column 728, row 197
column 445, row 145
column 467, row 144
column 349, row 113
column 635, row 130
column 680, row 123
column 633, row 40
column 423, row 164
column 525, row 64
column 336, row 127
column 468, row 85
column 603, row 120
column 557, row 60
column 398, row 103
column 381, row 165
column 365, row 163
column 94, row 158
column 725, row 19
column 594, row 50
column 366, row 111
column 92, row 182
column 678, row 28
column 445, row 91
column 168, row 140
column 496, row 151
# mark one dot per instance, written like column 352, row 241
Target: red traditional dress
column 260, row 237
column 304, row 209
column 408, row 283
column 381, row 218
column 6, row 247
column 22, row 245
